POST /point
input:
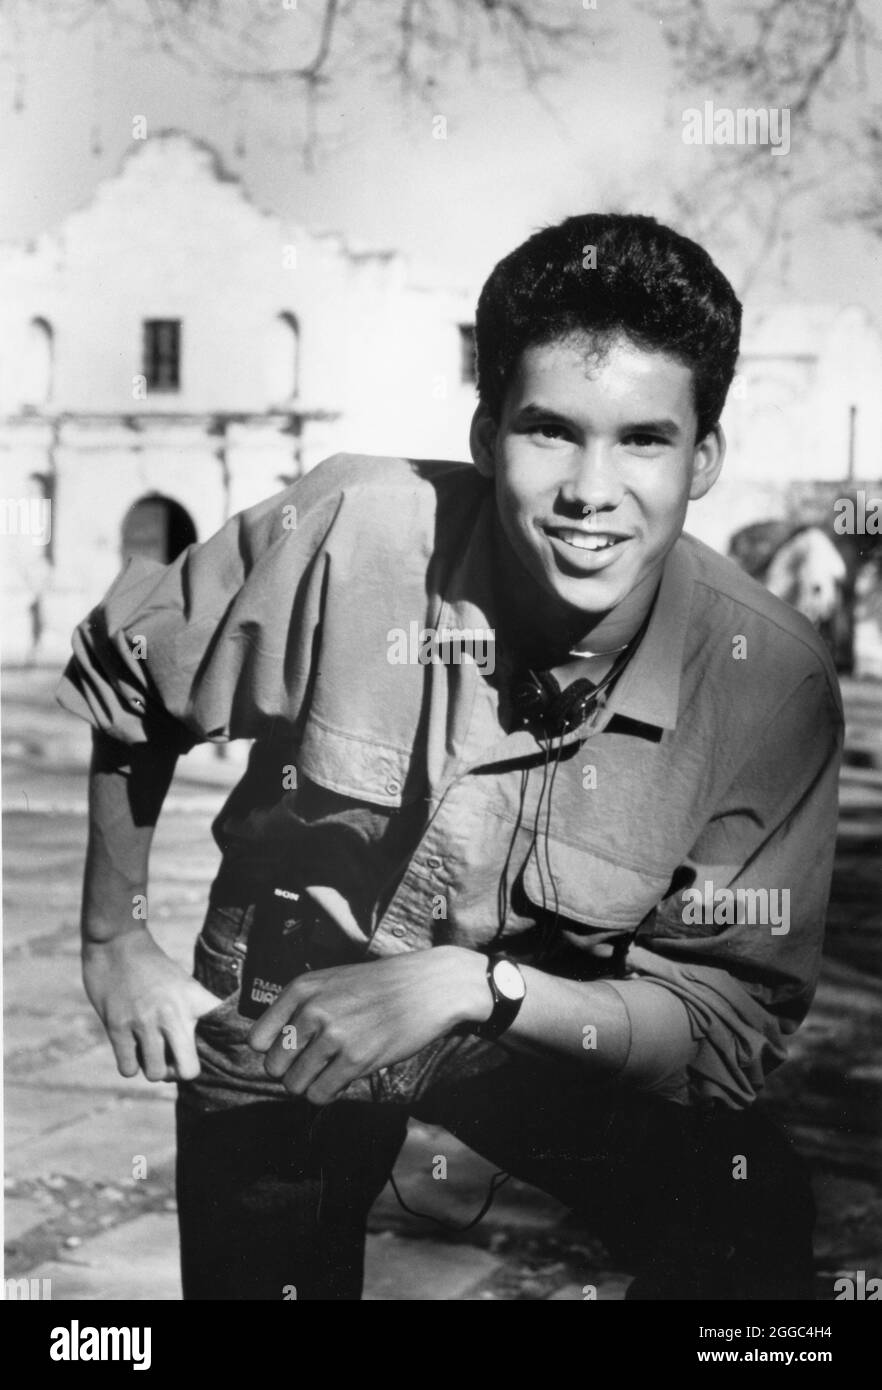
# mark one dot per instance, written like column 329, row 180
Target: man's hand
column 148, row 1005
column 329, row 1027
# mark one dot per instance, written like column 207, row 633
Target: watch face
column 509, row 980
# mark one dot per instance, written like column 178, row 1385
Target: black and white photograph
column 441, row 694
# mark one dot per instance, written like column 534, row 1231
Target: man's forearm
column 127, row 786
column 587, row 1022
column 633, row 1028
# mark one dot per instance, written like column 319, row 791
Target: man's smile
column 583, row 539
column 597, row 549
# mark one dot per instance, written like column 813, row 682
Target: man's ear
column 482, row 441
column 707, row 462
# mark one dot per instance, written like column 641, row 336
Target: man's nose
column 593, row 484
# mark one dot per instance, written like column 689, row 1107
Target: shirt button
column 435, row 862
column 393, row 787
column 398, row 931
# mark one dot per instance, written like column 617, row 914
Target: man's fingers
column 329, row 1083
column 151, row 1046
column 284, row 1049
column 309, row 1064
column 181, row 1048
column 122, row 1041
column 290, row 1046
column 270, row 1024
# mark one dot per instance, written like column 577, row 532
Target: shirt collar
column 648, row 689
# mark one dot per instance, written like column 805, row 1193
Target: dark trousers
column 274, row 1193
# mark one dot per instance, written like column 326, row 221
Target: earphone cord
column 612, row 675
column 496, row 1182
column 547, row 785
column 502, row 887
column 534, row 837
column 548, row 933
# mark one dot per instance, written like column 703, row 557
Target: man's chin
column 591, row 596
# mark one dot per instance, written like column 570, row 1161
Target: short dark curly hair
column 650, row 284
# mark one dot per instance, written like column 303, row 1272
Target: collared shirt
column 691, row 817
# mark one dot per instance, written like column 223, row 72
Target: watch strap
column 505, row 1010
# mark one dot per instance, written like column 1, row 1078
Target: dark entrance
column 157, row 528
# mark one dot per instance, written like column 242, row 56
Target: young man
column 556, row 783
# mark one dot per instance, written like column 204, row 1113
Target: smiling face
column 594, row 460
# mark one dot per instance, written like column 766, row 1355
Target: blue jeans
column 274, row 1193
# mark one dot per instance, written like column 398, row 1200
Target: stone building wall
column 294, row 345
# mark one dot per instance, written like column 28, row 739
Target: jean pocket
column 219, row 971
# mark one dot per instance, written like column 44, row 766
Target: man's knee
column 735, row 1213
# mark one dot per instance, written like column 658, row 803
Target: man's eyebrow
column 668, row 427
column 534, row 411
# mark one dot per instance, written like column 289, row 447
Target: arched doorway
column 157, row 528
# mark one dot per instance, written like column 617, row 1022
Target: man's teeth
column 583, row 542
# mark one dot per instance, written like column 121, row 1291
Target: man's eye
column 548, row 430
column 646, row 441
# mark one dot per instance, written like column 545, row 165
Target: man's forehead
column 565, row 372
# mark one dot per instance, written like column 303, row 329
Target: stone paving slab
column 22, row 1214
column 137, row 1260
column 102, row 1145
column 25, row 921
column 410, row 1271
column 27, row 1033
column 95, row 1070
column 48, row 986
column 29, row 1112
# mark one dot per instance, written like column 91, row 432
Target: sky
column 606, row 132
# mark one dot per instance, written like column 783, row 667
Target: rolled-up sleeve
column 739, row 938
column 218, row 644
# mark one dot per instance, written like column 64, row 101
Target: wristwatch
column 508, row 987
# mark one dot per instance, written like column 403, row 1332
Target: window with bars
column 162, row 354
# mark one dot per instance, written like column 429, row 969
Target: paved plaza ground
column 75, row 1212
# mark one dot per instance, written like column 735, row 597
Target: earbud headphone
column 538, row 699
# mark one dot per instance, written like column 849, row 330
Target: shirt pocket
column 350, row 764
column 590, row 889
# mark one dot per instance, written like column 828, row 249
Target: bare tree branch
column 805, row 56
column 309, row 72
column 309, row 50
column 826, row 59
